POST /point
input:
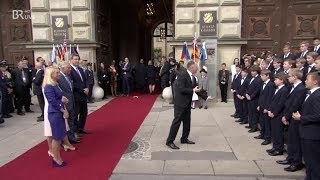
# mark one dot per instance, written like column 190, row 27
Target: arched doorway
column 161, row 40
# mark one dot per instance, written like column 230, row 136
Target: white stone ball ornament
column 97, row 92
column 167, row 94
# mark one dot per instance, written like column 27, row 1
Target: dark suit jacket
column 254, row 88
column 294, row 101
column 318, row 51
column 227, row 74
column 305, row 72
column 235, row 85
column 271, row 67
column 37, row 82
column 299, row 55
column 290, row 56
column 310, row 117
column 19, row 85
column 165, row 71
column 67, row 91
column 53, row 95
column 278, row 101
column 89, row 77
column 266, row 95
column 126, row 72
column 244, row 86
column 78, row 84
column 274, row 72
column 183, row 90
column 3, row 86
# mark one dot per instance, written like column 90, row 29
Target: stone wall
column 228, row 36
column 80, row 22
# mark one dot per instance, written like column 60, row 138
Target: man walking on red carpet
column 185, row 86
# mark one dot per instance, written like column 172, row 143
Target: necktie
column 77, row 69
column 308, row 94
column 251, row 80
column 24, row 79
column 69, row 82
column 276, row 90
column 264, row 85
column 193, row 81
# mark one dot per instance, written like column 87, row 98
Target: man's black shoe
column 253, row 130
column 283, row 162
column 187, row 142
column 276, row 153
column 239, row 120
column 258, row 137
column 266, row 142
column 236, row 116
column 29, row 111
column 1, row 120
column 249, row 127
column 21, row 113
column 82, row 131
column 244, row 122
column 40, row 119
column 172, row 145
column 294, row 168
column 270, row 150
column 7, row 116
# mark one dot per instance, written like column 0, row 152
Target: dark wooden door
column 270, row 24
column 15, row 31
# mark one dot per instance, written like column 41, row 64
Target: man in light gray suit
column 66, row 86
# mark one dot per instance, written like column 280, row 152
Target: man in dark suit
column 304, row 45
column 185, row 86
column 241, row 95
column 293, row 104
column 66, row 86
column 275, row 112
column 21, row 80
column 287, row 53
column 37, row 89
column 164, row 73
column 29, row 68
column 309, row 118
column 90, row 81
column 126, row 77
column 252, row 95
column 277, row 64
column 310, row 67
column 223, row 82
column 80, row 92
column 316, row 43
column 235, row 85
column 265, row 97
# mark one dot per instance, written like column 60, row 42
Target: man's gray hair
column 63, row 64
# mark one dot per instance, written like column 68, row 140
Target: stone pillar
column 227, row 41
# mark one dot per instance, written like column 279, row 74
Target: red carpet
column 112, row 126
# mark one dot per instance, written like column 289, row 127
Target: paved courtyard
column 224, row 149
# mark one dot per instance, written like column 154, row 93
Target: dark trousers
column 224, row 92
column 90, row 92
column 243, row 104
column 294, row 144
column 104, row 86
column 180, row 115
column 253, row 113
column 164, row 82
column 126, row 85
column 236, row 103
column 311, row 156
column 277, row 133
column 265, row 125
column 22, row 97
column 71, row 124
column 80, row 115
column 5, row 104
column 41, row 103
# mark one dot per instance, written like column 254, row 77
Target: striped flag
column 185, row 52
column 195, row 51
column 59, row 52
column 203, row 52
column 53, row 55
column 78, row 50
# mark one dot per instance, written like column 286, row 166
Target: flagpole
column 194, row 47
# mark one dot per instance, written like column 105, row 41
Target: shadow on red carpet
column 112, row 126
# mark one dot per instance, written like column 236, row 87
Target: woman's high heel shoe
column 50, row 154
column 55, row 164
column 68, row 148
